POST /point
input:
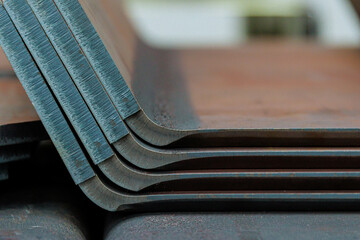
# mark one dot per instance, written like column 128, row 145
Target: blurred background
column 206, row 23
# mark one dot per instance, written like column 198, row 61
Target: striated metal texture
column 117, row 200
column 98, row 57
column 79, row 69
column 59, row 79
column 45, row 105
column 247, row 226
column 114, row 198
column 229, row 180
column 19, row 122
column 147, row 157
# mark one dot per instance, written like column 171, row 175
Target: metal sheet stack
column 137, row 126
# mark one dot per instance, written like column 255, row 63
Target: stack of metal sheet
column 139, row 126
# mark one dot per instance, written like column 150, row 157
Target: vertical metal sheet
column 59, row 80
column 98, row 57
column 79, row 69
column 43, row 101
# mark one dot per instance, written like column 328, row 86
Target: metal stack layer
column 139, row 126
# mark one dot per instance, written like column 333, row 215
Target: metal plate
column 211, row 226
column 45, row 105
column 114, row 168
column 80, row 169
column 41, row 221
column 79, row 69
column 129, row 147
column 171, row 76
column 19, row 122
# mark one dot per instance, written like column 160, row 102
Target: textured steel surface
column 82, row 74
column 146, row 157
column 142, row 179
column 235, row 90
column 41, row 221
column 116, row 200
column 124, row 176
column 44, row 103
column 67, row 48
column 99, row 59
column 113, row 198
column 135, row 180
column 253, row 179
column 247, row 226
column 19, row 122
column 56, row 30
column 59, row 80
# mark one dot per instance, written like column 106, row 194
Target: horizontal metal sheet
column 211, row 226
column 58, row 79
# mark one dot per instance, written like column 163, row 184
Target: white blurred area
column 204, row 23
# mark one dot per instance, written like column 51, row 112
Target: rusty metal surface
column 55, row 30
column 180, row 118
column 113, row 198
column 135, row 180
column 273, row 85
column 181, row 97
column 123, row 176
column 264, row 226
